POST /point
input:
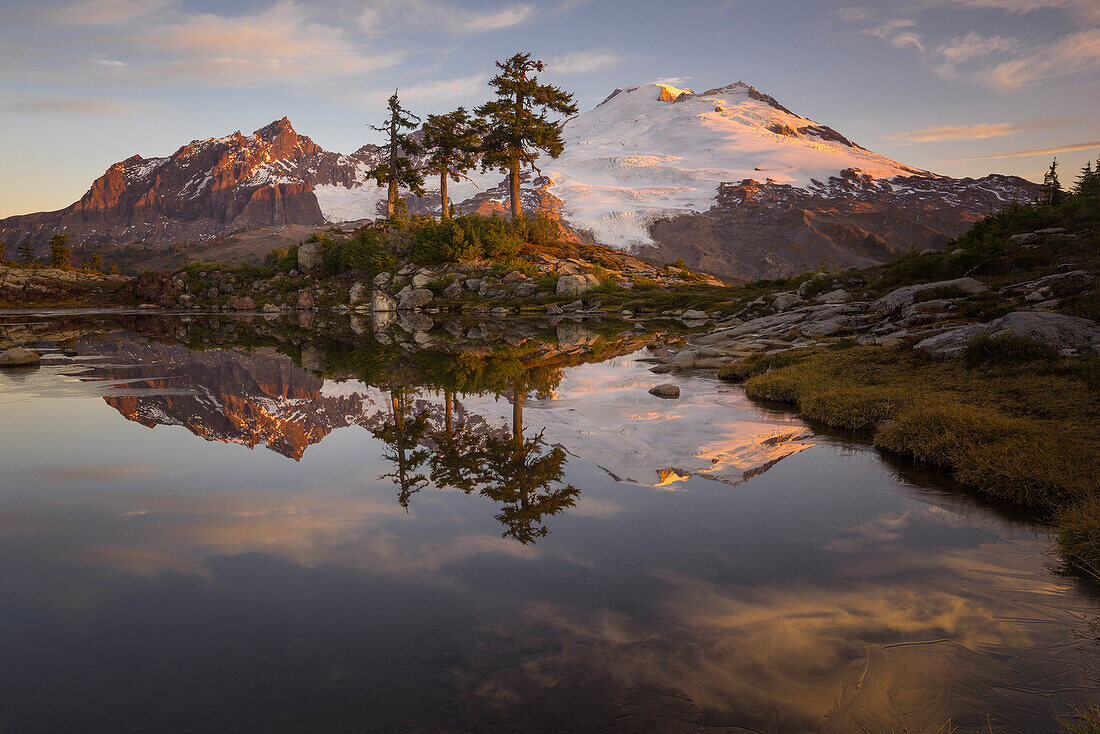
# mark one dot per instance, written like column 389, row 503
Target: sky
column 959, row 87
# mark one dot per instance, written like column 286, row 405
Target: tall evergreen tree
column 1089, row 181
column 451, row 142
column 1052, row 185
column 3, row 252
column 518, row 126
column 95, row 262
column 26, row 252
column 61, row 256
column 398, row 170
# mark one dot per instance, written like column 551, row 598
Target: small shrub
column 757, row 364
column 502, row 268
column 1079, row 533
column 1006, row 350
column 983, row 307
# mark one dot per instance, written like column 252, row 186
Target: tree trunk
column 517, row 417
column 446, row 211
column 450, row 420
column 391, row 200
column 517, row 202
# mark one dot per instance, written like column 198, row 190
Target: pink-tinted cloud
column 1042, row 151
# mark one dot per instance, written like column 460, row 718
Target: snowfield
column 636, row 157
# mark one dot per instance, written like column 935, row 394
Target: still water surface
column 215, row 538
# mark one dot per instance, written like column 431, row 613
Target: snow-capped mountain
column 729, row 179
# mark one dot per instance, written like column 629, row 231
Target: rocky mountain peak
column 275, row 129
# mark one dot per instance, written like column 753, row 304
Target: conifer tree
column 518, row 126
column 451, row 142
column 398, row 170
column 26, row 252
column 1089, row 180
column 1052, row 185
column 3, row 252
column 95, row 262
column 60, row 254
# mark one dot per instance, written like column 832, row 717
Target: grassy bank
column 1011, row 420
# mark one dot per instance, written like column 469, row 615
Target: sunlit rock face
column 600, row 413
column 728, row 179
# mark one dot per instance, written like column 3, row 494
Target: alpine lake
column 265, row 524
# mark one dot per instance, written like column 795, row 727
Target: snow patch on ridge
column 341, row 204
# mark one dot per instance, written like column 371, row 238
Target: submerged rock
column 666, row 391
column 18, row 357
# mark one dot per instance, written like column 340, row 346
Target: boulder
column 271, row 308
column 693, row 315
column 453, row 291
column 1070, row 335
column 18, row 357
column 381, row 302
column 382, row 280
column 309, row 256
column 421, row 279
column 514, row 277
column 786, row 300
column 525, row 290
column 357, row 294
column 571, row 286
column 499, row 311
column 838, row 296
column 554, row 310
column 898, row 299
column 305, row 301
column 577, row 305
column 415, row 298
column 243, row 303
column 805, row 287
column 666, row 391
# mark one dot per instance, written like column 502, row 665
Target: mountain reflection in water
column 354, row 577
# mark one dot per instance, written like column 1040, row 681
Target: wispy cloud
column 97, row 12
column 381, row 15
column 277, row 45
column 980, row 131
column 444, row 90
column 1080, row 8
column 54, row 106
column 1043, row 151
column 1000, row 62
column 584, row 62
column 895, row 31
column 1077, row 53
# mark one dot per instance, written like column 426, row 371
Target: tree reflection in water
column 403, row 436
column 515, row 472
